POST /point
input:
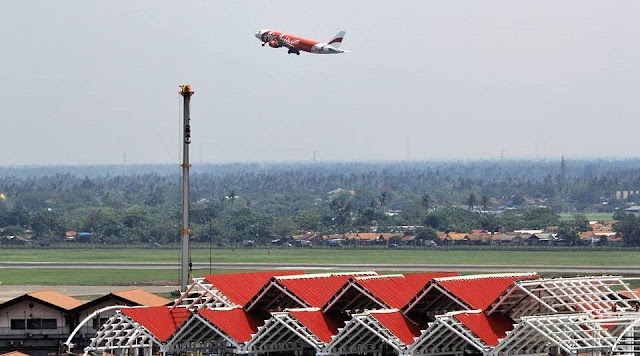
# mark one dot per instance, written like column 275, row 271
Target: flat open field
column 339, row 255
column 169, row 275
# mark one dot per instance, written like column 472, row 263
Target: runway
column 466, row 268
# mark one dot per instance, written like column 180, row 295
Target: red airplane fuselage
column 295, row 44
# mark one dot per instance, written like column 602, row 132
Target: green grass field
column 342, row 255
column 87, row 277
column 79, row 276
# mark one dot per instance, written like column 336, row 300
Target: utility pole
column 186, row 92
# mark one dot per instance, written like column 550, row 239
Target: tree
column 342, row 211
column 383, row 199
column 104, row 222
column 308, row 219
column 434, row 221
column 540, row 218
column 518, row 200
column 426, row 201
column 283, row 226
column 569, row 234
column 629, row 228
column 231, row 198
column 580, row 223
column 13, row 230
column 426, row 233
column 472, row 201
column 485, row 202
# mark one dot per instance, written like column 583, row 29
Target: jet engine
column 274, row 44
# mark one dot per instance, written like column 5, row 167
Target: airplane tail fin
column 337, row 39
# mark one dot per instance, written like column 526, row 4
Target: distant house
column 504, row 238
column 457, row 238
column 478, row 237
column 309, row 238
column 635, row 210
column 545, row 239
column 340, row 191
column 599, row 238
column 369, row 238
column 528, row 231
column 37, row 321
column 40, row 321
column 14, row 353
column 14, row 240
column 409, row 239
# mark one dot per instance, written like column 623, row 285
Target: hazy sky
column 90, row 82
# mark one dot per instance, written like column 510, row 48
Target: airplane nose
column 259, row 35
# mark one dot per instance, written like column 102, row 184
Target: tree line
column 236, row 202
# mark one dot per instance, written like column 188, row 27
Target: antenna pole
column 186, row 92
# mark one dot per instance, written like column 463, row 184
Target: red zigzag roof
column 236, row 323
column 396, row 291
column 315, row 290
column 322, row 325
column 399, row 325
column 241, row 287
column 162, row 322
column 480, row 291
column 488, row 328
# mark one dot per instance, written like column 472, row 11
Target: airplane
column 296, row 44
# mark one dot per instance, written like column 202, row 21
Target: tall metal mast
column 186, row 92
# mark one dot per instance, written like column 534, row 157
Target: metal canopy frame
column 275, row 296
column 283, row 332
column 200, row 293
column 596, row 315
column 434, row 300
column 120, row 332
column 571, row 334
column 598, row 295
column 353, row 297
column 364, row 334
column 447, row 335
column 198, row 333
column 628, row 342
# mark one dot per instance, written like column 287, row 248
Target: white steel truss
column 598, row 295
column 198, row 333
column 447, row 335
column 68, row 344
column 434, row 300
column 282, row 332
column 120, row 333
column 274, row 296
column 364, row 334
column 353, row 297
column 200, row 294
column 569, row 334
column 628, row 342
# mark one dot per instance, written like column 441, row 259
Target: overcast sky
column 96, row 82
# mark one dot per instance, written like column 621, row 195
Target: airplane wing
column 284, row 43
column 279, row 42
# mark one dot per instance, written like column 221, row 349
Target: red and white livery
column 295, row 44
